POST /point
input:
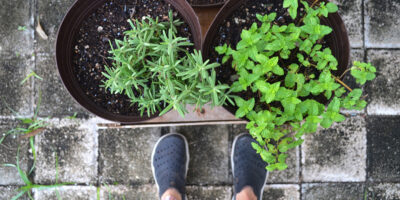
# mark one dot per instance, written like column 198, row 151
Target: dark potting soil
column 204, row 2
column 91, row 53
column 230, row 31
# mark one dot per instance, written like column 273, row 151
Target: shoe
column 247, row 166
column 170, row 162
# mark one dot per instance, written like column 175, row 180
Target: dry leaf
column 33, row 133
column 40, row 31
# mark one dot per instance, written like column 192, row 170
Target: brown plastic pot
column 70, row 25
column 208, row 5
column 338, row 40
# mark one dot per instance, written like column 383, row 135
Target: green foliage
column 292, row 6
column 154, row 68
column 28, row 127
column 285, row 67
column 32, row 74
column 22, row 28
column 363, row 72
column 29, row 185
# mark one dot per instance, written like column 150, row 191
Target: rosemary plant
column 155, row 69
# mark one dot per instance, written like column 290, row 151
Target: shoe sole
column 154, row 151
column 233, row 167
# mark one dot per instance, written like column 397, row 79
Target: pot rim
column 72, row 20
column 208, row 5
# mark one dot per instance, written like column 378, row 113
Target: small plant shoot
column 285, row 67
column 155, row 69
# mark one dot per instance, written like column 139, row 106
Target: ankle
column 171, row 194
column 247, row 193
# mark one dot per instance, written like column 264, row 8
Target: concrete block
column 125, row 155
column 143, row 192
column 13, row 95
column 332, row 191
column 382, row 23
column 75, row 143
column 51, row 13
column 351, row 13
column 281, row 192
column 67, row 192
column 14, row 14
column 209, row 192
column 383, row 92
column 209, row 154
column 8, row 154
column 9, row 192
column 383, row 148
column 384, row 191
column 336, row 154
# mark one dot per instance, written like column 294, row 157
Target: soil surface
column 204, row 2
column 107, row 23
column 230, row 31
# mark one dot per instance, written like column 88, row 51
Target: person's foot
column 170, row 160
column 247, row 166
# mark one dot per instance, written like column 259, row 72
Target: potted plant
column 285, row 69
column 206, row 3
column 84, row 48
column 155, row 69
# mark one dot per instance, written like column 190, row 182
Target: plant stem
column 342, row 83
column 347, row 70
column 315, row 2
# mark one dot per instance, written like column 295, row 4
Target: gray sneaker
column 170, row 161
column 247, row 166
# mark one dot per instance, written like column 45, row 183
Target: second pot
column 237, row 15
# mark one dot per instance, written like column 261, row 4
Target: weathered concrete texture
column 351, row 13
column 75, row 144
column 209, row 192
column 142, row 192
column 384, row 191
column 67, row 192
column 51, row 13
column 13, row 41
column 56, row 101
column 290, row 175
column 9, row 192
column 125, row 154
column 281, row 192
column 333, row 191
column 383, row 92
column 383, row 148
column 16, row 96
column 382, row 23
column 337, row 153
column 8, row 154
column 209, row 154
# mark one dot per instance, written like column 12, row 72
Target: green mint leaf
column 332, row 8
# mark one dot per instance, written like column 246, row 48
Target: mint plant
column 155, row 69
column 285, row 67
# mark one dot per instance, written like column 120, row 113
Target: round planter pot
column 68, row 33
column 199, row 4
column 337, row 41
